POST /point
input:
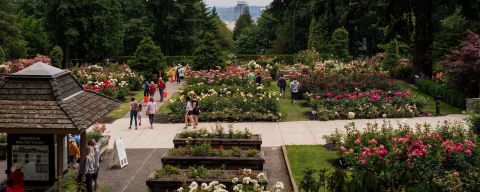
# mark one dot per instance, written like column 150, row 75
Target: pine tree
column 148, row 58
column 392, row 57
column 208, row 54
column 243, row 22
column 56, row 54
column 11, row 38
column 340, row 44
column 317, row 37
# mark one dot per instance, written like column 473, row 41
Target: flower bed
column 219, row 138
column 114, row 81
column 424, row 159
column 226, row 96
column 334, row 89
column 98, row 134
column 205, row 155
column 171, row 178
column 13, row 66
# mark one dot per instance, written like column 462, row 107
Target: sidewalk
column 273, row 133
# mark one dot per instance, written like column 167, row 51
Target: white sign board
column 119, row 156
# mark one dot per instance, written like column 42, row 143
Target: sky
column 231, row 3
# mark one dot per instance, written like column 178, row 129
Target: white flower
column 204, row 186
column 384, row 115
column 261, row 177
column 180, row 189
column 193, row 184
column 351, row 115
column 247, row 180
column 234, row 180
column 278, row 185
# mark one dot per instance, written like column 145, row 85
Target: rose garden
column 387, row 97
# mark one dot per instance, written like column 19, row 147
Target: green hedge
column 449, row 95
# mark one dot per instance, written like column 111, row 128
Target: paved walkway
column 171, row 89
column 273, row 133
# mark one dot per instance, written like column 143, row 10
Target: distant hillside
column 228, row 13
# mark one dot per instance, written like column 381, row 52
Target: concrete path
column 171, row 89
column 273, row 133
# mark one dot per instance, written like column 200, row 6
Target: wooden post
column 60, row 149
column 83, row 148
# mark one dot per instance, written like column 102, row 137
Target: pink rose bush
column 115, row 81
column 13, row 66
column 334, row 89
column 226, row 95
column 382, row 158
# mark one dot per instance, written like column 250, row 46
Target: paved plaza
column 273, row 133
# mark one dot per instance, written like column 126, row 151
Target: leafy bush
column 167, row 170
column 252, row 153
column 308, row 57
column 201, row 150
column 339, row 45
column 474, row 121
column 148, row 59
column 462, row 66
column 449, row 95
column 381, row 158
column 208, row 54
column 57, row 56
column 392, row 57
column 199, row 172
column 236, row 151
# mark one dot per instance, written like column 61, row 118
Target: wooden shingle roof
column 45, row 99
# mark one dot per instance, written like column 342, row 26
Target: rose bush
column 13, row 66
column 381, row 158
column 227, row 96
column 115, row 81
column 333, row 89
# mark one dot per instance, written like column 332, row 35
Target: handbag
column 165, row 94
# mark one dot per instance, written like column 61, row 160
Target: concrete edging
column 292, row 180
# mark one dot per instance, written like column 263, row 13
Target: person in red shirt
column 152, row 89
column 161, row 88
column 15, row 179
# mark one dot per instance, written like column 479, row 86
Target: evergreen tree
column 208, row 54
column 56, row 54
column 222, row 33
column 247, row 42
column 340, row 44
column 453, row 30
column 317, row 38
column 2, row 55
column 148, row 58
column 392, row 57
column 11, row 38
column 242, row 23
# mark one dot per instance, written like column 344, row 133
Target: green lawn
column 290, row 111
column 445, row 108
column 308, row 156
column 164, row 108
column 121, row 110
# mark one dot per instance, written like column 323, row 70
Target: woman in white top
column 151, row 110
column 189, row 113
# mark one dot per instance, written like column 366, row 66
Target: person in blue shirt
column 77, row 139
column 145, row 88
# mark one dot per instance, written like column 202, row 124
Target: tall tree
column 33, row 30
column 208, row 54
column 423, row 37
column 243, row 22
column 136, row 24
column 11, row 39
column 317, row 37
column 222, row 33
column 148, row 58
column 339, row 42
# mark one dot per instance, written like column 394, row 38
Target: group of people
column 192, row 111
column 294, row 87
column 88, row 169
column 179, row 73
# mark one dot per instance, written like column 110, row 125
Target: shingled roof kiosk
column 40, row 106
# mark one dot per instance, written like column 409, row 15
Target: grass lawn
column 290, row 111
column 121, row 110
column 308, row 156
column 164, row 108
column 445, row 108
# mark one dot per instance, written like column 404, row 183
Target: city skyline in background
column 232, row 3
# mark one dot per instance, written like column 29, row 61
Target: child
column 140, row 114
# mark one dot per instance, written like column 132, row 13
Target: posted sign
column 119, row 156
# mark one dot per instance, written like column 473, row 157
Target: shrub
column 449, row 95
column 148, row 59
column 392, row 57
column 308, row 57
column 199, row 172
column 340, row 44
column 201, row 150
column 252, row 153
column 56, row 54
column 208, row 54
column 474, row 121
column 167, row 170
column 236, row 151
column 462, row 66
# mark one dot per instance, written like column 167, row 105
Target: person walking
column 133, row 112
column 188, row 112
column 151, row 110
column 74, row 150
column 181, row 73
column 294, row 86
column 251, row 77
column 195, row 112
column 152, row 89
column 140, row 114
column 177, row 78
column 93, row 143
column 89, row 168
column 282, row 83
column 258, row 79
column 161, row 88
column 15, row 179
column 145, row 88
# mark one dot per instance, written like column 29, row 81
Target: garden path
column 171, row 88
column 273, row 133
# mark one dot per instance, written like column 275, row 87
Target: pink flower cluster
column 101, row 86
column 19, row 64
column 228, row 73
column 374, row 95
